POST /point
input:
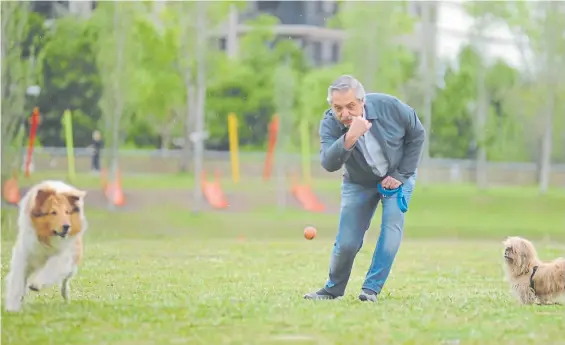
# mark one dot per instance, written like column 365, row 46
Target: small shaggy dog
column 48, row 246
column 532, row 280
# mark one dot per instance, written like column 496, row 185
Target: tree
column 246, row 85
column 69, row 80
column 427, row 70
column 157, row 85
column 19, row 71
column 373, row 48
column 112, row 21
column 539, row 27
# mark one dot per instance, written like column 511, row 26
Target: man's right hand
column 358, row 127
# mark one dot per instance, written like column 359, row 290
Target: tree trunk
column 201, row 42
column 428, row 54
column 15, row 80
column 481, row 111
column 548, row 80
column 188, row 123
column 481, row 177
column 118, row 97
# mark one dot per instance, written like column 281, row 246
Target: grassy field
column 160, row 274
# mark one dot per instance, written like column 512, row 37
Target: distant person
column 379, row 139
column 97, row 144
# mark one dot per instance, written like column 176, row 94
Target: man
column 380, row 141
column 97, row 145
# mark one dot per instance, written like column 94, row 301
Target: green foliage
column 146, row 92
column 372, row 47
column 70, row 80
column 453, row 112
column 247, row 84
column 19, row 71
column 312, row 98
column 542, row 25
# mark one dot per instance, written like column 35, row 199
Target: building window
column 316, row 52
column 268, row 6
column 222, row 43
column 335, row 52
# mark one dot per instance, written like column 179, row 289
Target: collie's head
column 519, row 255
column 55, row 209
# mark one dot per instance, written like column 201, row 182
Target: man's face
column 345, row 106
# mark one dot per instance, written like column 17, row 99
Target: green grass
column 163, row 275
column 176, row 181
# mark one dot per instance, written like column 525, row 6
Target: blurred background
column 149, row 86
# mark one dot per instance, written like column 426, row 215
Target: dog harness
column 534, row 269
column 402, row 203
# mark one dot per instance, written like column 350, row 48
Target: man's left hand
column 390, row 183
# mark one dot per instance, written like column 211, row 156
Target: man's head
column 346, row 95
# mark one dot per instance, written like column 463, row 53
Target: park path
column 137, row 200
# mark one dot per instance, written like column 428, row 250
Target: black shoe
column 367, row 295
column 320, row 294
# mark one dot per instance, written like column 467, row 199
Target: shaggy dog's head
column 56, row 213
column 520, row 255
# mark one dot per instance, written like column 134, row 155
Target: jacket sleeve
column 413, row 144
column 333, row 154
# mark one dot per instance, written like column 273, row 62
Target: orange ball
column 309, row 232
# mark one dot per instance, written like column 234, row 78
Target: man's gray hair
column 345, row 83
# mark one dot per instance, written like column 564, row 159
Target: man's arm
column 413, row 144
column 334, row 150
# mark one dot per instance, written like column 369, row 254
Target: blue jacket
column 397, row 129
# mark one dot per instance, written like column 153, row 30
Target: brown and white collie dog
column 48, row 247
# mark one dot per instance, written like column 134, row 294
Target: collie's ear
column 42, row 196
column 75, row 196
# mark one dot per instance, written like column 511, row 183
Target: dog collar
column 534, row 269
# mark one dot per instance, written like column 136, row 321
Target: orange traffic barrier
column 307, row 199
column 213, row 192
column 11, row 191
column 114, row 191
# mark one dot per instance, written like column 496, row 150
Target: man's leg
column 96, row 162
column 392, row 227
column 358, row 205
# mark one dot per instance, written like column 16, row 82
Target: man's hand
column 358, row 127
column 390, row 183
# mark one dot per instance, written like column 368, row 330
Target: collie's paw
column 13, row 305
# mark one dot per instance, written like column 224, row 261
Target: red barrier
column 273, row 133
column 213, row 192
column 34, row 121
column 307, row 199
column 11, row 191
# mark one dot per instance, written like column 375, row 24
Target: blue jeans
column 358, row 205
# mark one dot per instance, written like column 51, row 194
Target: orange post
column 34, row 122
column 273, row 133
